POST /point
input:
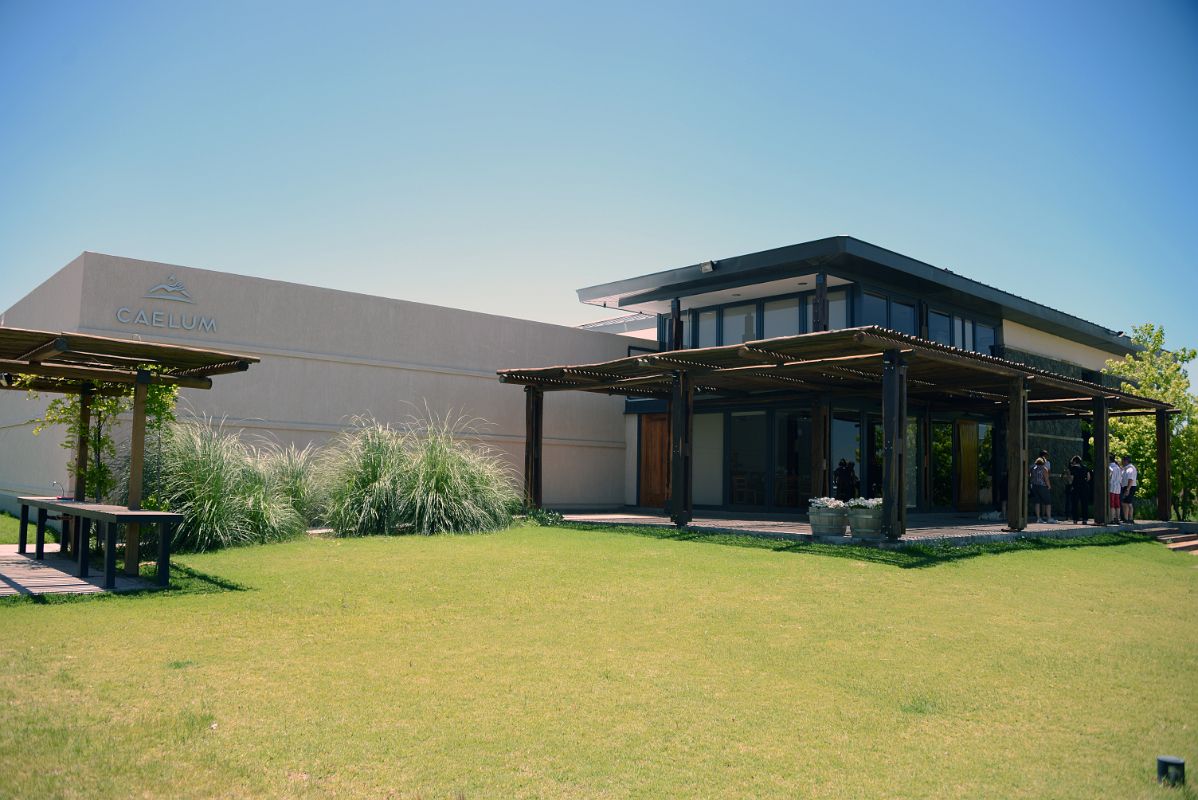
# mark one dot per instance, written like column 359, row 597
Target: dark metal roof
column 845, row 361
column 855, row 260
column 66, row 360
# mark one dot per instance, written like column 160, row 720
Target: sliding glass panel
column 958, row 332
column 902, row 318
column 968, row 334
column 781, row 317
column 707, row 335
column 792, row 459
column 873, row 310
column 985, row 466
column 740, row 324
column 707, row 483
column 911, row 465
column 984, row 339
column 940, row 327
column 838, row 310
column 688, row 330
column 942, row 464
column 846, row 455
column 746, row 458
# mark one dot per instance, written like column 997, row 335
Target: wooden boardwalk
column 946, row 528
column 23, row 574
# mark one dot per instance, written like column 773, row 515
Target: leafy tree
column 63, row 410
column 1157, row 373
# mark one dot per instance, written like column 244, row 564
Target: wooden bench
column 110, row 517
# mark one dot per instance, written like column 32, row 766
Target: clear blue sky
column 498, row 156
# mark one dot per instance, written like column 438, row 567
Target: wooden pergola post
column 1102, row 460
column 78, row 536
column 820, row 435
column 1017, row 469
column 894, row 445
column 1164, row 477
column 681, row 435
column 137, row 458
column 819, row 321
column 534, row 414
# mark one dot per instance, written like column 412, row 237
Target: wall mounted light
column 707, row 266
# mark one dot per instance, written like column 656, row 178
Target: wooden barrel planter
column 866, row 523
column 828, row 522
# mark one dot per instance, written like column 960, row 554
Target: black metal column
column 820, row 307
column 1102, row 463
column 166, row 531
column 534, row 414
column 23, row 534
column 681, row 435
column 894, row 445
column 676, row 327
column 109, row 555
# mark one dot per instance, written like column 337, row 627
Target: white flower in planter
column 828, row 502
column 865, row 502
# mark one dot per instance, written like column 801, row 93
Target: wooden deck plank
column 23, row 574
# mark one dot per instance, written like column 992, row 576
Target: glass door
column 748, row 441
column 792, row 459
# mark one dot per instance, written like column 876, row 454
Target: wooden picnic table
column 105, row 515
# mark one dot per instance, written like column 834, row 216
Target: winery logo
column 172, row 289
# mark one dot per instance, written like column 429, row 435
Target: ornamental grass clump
column 361, row 473
column 222, row 488
column 450, row 485
column 293, row 471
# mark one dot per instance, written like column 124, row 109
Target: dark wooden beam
column 1164, row 476
column 56, row 346
column 820, row 306
column 681, row 436
column 821, row 423
column 1017, row 469
column 534, row 417
column 56, row 387
column 675, row 338
column 1102, row 461
column 894, row 445
column 99, row 375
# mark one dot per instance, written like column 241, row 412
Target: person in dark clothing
column 844, row 479
column 1079, row 490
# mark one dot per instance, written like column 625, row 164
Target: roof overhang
column 846, row 259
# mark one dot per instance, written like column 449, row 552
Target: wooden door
column 967, row 465
column 655, row 460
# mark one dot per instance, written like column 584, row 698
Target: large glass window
column 902, row 318
column 838, row 310
column 792, row 459
column 846, row 455
column 984, row 339
column 940, row 327
column 958, row 332
column 781, row 317
column 707, row 483
column 746, row 458
column 740, row 324
column 873, row 310
column 707, row 332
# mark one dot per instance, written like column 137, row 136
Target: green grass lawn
column 552, row 662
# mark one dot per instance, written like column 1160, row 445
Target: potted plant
column 828, row 516
column 865, row 518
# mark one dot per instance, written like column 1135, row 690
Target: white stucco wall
column 1022, row 337
column 328, row 355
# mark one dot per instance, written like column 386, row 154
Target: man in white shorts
column 1130, row 478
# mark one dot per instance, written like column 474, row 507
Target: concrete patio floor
column 942, row 528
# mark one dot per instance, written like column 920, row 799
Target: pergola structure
column 850, row 362
column 91, row 366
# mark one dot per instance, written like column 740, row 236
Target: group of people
column 1122, row 479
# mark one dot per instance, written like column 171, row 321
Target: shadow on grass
column 913, row 556
column 184, row 580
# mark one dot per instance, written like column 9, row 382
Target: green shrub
column 293, row 472
column 426, row 479
column 360, row 474
column 453, row 486
column 222, row 488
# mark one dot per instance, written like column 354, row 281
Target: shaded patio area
column 940, row 528
column 21, row 573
